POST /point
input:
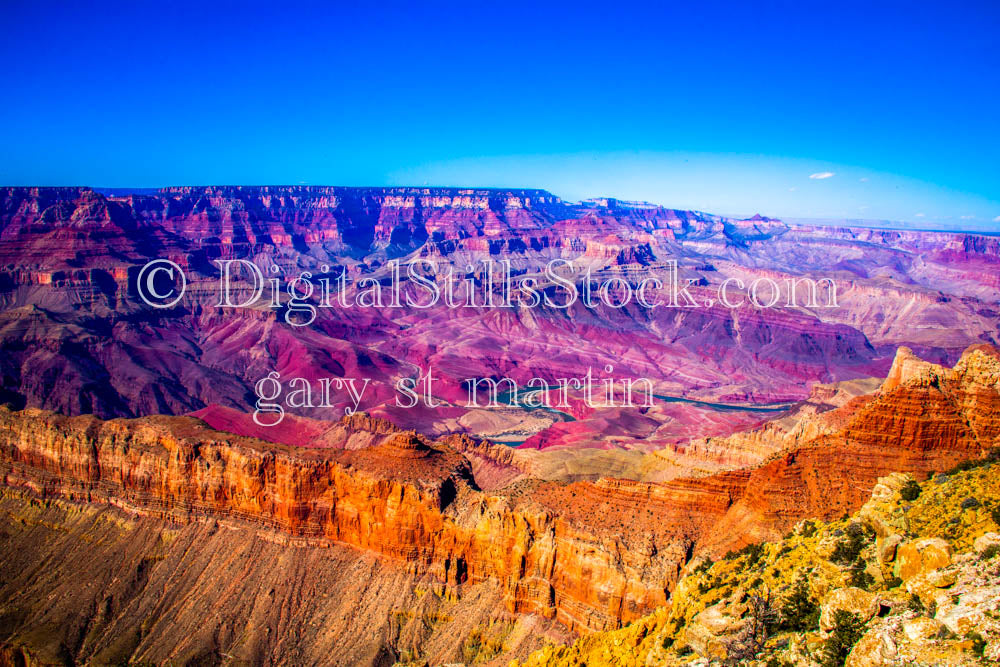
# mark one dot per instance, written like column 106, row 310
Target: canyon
column 146, row 517
column 452, row 514
column 77, row 339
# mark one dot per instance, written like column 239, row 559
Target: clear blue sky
column 720, row 107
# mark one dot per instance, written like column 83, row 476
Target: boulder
column 992, row 652
column 927, row 589
column 984, row 542
column 709, row 630
column 853, row 600
column 941, row 578
column 920, row 556
column 921, row 629
column 975, row 609
column 886, row 547
column 880, row 512
column 876, row 647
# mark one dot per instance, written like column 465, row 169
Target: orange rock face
column 590, row 555
column 923, row 419
column 405, row 498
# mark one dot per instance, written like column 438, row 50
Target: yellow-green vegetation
column 912, row 578
column 438, row 590
column 485, row 643
column 958, row 507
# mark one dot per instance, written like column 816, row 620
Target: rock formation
column 137, row 485
column 831, row 594
column 77, row 339
column 588, row 555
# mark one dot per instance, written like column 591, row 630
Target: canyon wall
column 589, row 555
column 77, row 338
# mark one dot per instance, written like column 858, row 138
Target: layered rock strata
column 590, row 555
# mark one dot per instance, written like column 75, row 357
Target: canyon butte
column 148, row 519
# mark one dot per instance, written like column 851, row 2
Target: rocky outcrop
column 924, row 419
column 850, row 599
column 817, row 607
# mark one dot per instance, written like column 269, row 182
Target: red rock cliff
column 591, row 555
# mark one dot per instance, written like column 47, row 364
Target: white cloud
column 792, row 189
column 863, row 179
column 919, row 215
column 968, row 217
column 821, row 175
column 996, row 219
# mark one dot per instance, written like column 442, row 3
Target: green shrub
column 752, row 552
column 775, row 661
column 846, row 551
column 993, row 456
column 989, row 552
column 893, row 582
column 847, row 630
column 808, row 529
column 978, row 643
column 970, row 503
column 799, row 612
column 910, row 491
column 705, row 566
column 859, row 577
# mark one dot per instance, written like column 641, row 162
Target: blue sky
column 719, row 106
